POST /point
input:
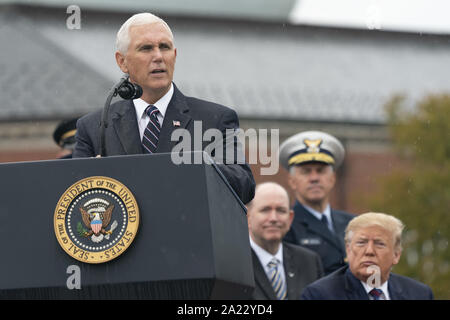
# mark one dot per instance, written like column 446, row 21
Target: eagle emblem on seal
column 96, row 216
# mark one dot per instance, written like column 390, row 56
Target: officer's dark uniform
column 306, row 230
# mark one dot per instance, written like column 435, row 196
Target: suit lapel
column 261, row 278
column 395, row 290
column 316, row 226
column 353, row 287
column 125, row 124
column 291, row 275
column 176, row 117
column 356, row 291
column 339, row 224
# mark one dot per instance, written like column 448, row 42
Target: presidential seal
column 96, row 219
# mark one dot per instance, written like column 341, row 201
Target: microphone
column 126, row 90
column 129, row 90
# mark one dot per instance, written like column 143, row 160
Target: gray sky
column 428, row 16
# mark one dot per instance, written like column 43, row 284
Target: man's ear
column 249, row 218
column 333, row 175
column 291, row 178
column 348, row 240
column 291, row 217
column 121, row 62
column 397, row 255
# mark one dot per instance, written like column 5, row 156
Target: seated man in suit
column 311, row 159
column 281, row 270
column 373, row 244
column 147, row 53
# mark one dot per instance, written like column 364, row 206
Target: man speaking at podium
column 146, row 52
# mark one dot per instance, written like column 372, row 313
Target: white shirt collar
column 161, row 104
column 264, row 256
column 383, row 287
column 318, row 215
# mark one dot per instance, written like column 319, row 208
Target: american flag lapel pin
column 176, row 123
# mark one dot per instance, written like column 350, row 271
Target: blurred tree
column 419, row 192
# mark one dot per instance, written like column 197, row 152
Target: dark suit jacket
column 302, row 267
column 122, row 135
column 343, row 285
column 311, row 233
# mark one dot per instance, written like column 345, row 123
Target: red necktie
column 377, row 294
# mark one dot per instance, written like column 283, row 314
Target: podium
column 192, row 241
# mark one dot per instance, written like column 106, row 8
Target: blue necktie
column 279, row 286
column 325, row 221
column 151, row 133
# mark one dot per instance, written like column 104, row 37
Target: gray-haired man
column 311, row 157
column 147, row 53
column 373, row 244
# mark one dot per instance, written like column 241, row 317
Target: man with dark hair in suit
column 311, row 157
column 373, row 244
column 147, row 53
column 281, row 269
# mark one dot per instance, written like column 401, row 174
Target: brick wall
column 355, row 179
column 32, row 155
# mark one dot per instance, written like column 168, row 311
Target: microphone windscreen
column 129, row 91
column 138, row 91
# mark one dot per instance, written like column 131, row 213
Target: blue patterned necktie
column 279, row 286
column 376, row 294
column 151, row 133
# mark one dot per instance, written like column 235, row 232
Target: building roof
column 257, row 10
column 422, row 16
column 262, row 70
column 40, row 80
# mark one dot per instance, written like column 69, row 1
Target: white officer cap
column 311, row 146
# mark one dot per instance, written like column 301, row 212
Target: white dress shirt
column 383, row 287
column 265, row 257
column 140, row 106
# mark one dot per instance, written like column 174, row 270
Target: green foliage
column 419, row 193
column 81, row 231
column 425, row 133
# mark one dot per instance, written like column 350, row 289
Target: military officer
column 64, row 137
column 312, row 158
